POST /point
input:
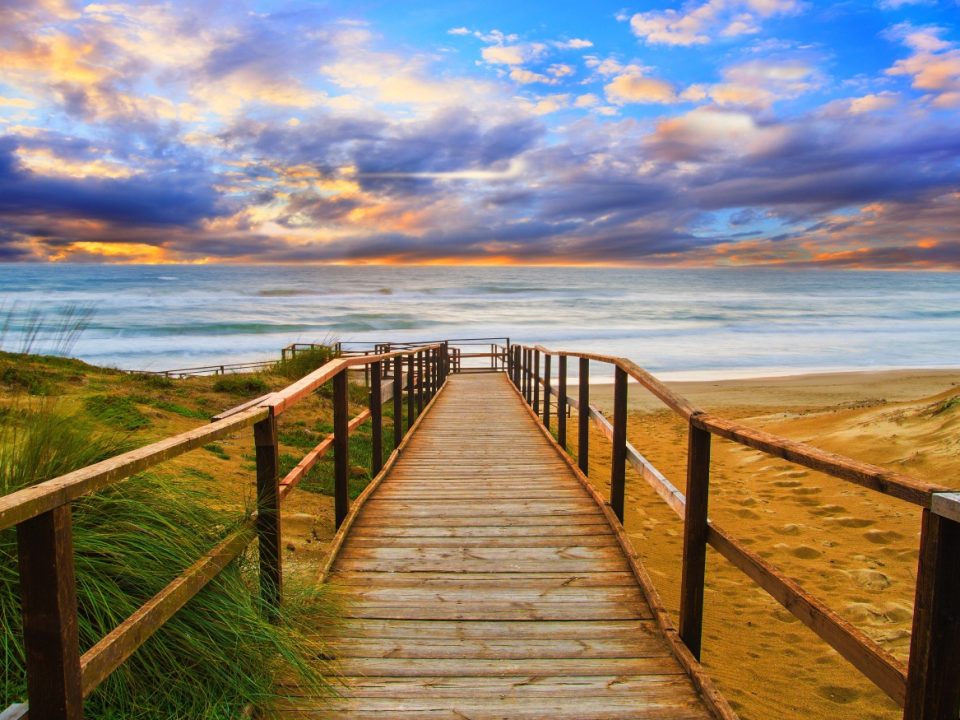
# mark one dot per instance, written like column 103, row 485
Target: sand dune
column 853, row 548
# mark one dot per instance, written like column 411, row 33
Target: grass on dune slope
column 131, row 539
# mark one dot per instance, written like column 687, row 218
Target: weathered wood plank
column 473, row 667
column 481, row 579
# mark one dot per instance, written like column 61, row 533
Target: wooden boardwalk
column 482, row 580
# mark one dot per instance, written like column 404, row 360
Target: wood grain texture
column 481, row 579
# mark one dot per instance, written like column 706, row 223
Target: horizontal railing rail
column 58, row 676
column 928, row 687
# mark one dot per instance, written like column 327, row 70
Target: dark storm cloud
column 168, row 199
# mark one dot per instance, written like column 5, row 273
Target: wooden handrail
column 32, row 501
column 41, row 514
column 927, row 689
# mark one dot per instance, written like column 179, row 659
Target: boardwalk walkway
column 482, row 581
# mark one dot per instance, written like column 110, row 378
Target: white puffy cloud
column 634, row 88
column 934, row 65
column 527, row 77
column 699, row 24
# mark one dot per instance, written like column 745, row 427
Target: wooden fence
column 928, row 688
column 58, row 676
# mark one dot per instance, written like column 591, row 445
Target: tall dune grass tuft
column 308, row 360
column 215, row 656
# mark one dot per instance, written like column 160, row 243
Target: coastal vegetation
column 218, row 654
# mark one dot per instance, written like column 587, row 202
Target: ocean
column 677, row 323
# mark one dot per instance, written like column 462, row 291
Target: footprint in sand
column 807, row 491
column 805, row 552
column 746, row 514
column 793, row 474
column 829, row 510
column 789, row 529
column 851, row 522
column 882, row 537
column 787, row 483
column 870, row 579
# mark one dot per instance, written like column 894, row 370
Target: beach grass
column 218, row 654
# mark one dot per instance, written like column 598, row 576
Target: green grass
column 216, row 449
column 304, row 362
column 320, row 478
column 246, row 385
column 131, row 539
column 947, row 405
column 116, row 411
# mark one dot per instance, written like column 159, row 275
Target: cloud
column 700, row 24
column 573, row 44
column 633, row 88
column 512, row 54
column 933, row 66
column 526, row 77
column 758, row 83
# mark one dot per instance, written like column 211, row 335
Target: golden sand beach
column 853, row 548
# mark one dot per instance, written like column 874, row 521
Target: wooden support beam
column 562, row 401
column 536, row 382
column 376, row 418
column 268, row 515
column 618, row 461
column 49, row 606
column 695, row 539
column 933, row 674
column 411, row 395
column 419, row 382
column 583, row 418
column 546, row 391
column 397, row 400
column 341, row 447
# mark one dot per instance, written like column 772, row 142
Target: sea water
column 678, row 323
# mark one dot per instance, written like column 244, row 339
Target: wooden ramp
column 483, row 581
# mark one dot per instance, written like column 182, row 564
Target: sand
column 853, row 548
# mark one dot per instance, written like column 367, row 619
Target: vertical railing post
column 546, row 390
column 517, row 366
column 583, row 418
column 618, row 461
column 695, row 538
column 411, row 392
column 397, row 400
column 341, row 447
column 526, row 375
column 933, row 675
column 49, row 606
column 268, row 514
column 536, row 382
column 376, row 418
column 562, row 401
column 419, row 382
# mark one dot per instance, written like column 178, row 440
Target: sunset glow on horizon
column 706, row 133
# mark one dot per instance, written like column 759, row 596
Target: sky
column 705, row 133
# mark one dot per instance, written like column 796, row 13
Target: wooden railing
column 58, row 676
column 928, row 688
